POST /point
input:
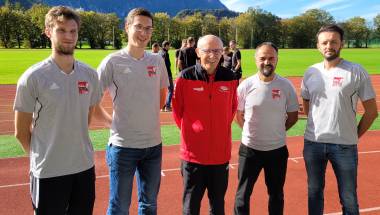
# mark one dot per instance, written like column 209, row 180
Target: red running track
column 15, row 200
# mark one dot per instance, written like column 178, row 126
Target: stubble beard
column 64, row 51
column 333, row 57
column 267, row 70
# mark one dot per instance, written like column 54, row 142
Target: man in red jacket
column 204, row 105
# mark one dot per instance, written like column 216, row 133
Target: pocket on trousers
column 347, row 147
column 109, row 154
column 244, row 151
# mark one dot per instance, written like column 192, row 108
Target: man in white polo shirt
column 53, row 107
column 330, row 92
column 267, row 107
column 135, row 80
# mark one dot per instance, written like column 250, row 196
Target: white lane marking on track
column 361, row 211
column 295, row 159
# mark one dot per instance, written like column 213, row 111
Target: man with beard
column 135, row 79
column 53, row 107
column 330, row 92
column 204, row 106
column 267, row 107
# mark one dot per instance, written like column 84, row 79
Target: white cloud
column 339, row 7
column 376, row 7
column 321, row 4
column 261, row 3
column 242, row 5
column 369, row 16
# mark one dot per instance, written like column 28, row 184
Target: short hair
column 60, row 14
column 184, row 41
column 155, row 45
column 267, row 44
column 190, row 40
column 137, row 12
column 331, row 28
column 233, row 41
column 200, row 40
column 165, row 43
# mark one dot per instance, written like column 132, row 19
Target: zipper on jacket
column 210, row 86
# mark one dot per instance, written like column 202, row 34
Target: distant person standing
column 236, row 59
column 135, row 79
column 155, row 48
column 165, row 54
column 267, row 108
column 177, row 52
column 188, row 56
column 330, row 92
column 53, row 106
column 227, row 58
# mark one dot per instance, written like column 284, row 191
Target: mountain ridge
column 122, row 7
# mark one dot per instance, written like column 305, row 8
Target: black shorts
column 68, row 194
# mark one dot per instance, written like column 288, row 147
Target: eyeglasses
column 214, row 51
column 141, row 28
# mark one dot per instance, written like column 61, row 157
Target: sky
column 341, row 10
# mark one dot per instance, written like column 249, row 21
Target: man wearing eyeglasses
column 135, row 79
column 204, row 105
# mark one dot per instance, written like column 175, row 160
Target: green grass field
column 292, row 62
column 9, row 146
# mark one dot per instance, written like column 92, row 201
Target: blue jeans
column 344, row 161
column 168, row 102
column 123, row 163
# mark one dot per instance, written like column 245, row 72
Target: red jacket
column 203, row 108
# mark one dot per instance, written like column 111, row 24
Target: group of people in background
column 56, row 99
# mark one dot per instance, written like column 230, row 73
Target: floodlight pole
column 251, row 37
column 113, row 36
column 169, row 32
column 236, row 34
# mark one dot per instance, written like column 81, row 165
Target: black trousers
column 251, row 162
column 69, row 194
column 196, row 179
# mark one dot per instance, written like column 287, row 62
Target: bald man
column 204, row 106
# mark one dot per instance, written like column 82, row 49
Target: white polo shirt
column 333, row 95
column 60, row 102
column 265, row 106
column 134, row 85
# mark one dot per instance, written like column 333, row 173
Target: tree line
column 25, row 28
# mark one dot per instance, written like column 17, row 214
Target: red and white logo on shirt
column 337, row 81
column 151, row 70
column 223, row 89
column 276, row 94
column 83, row 87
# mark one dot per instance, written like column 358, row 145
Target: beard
column 333, row 56
column 267, row 70
column 64, row 50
